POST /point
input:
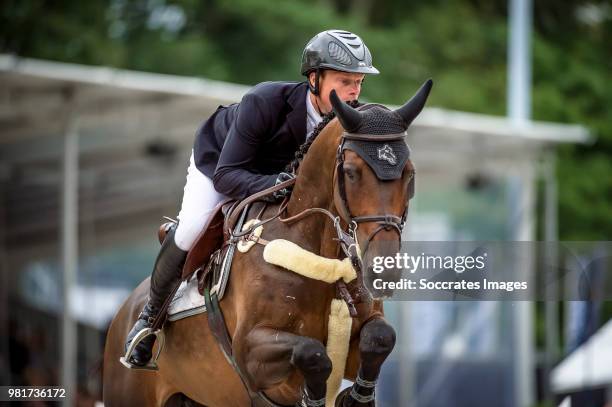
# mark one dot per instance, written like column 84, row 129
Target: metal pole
column 552, row 265
column 523, row 205
column 519, row 112
column 69, row 235
column 407, row 364
column 519, row 62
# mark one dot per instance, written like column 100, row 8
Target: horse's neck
column 314, row 189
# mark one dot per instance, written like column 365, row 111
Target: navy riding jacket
column 242, row 147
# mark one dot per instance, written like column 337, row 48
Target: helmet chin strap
column 314, row 89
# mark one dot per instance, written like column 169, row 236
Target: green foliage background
column 461, row 44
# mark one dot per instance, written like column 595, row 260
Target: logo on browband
column 385, row 153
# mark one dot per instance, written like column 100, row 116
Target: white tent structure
column 94, row 155
column 588, row 367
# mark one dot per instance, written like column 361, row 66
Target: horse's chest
column 293, row 310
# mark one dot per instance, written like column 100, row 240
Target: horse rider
column 243, row 148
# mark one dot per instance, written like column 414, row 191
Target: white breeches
column 199, row 199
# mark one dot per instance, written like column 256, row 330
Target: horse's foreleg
column 376, row 341
column 271, row 358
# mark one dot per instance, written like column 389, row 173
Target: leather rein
column 347, row 239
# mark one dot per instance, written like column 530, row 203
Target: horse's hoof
column 341, row 396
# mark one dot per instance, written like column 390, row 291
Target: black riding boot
column 166, row 275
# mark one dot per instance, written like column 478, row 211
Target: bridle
column 348, row 239
column 385, row 221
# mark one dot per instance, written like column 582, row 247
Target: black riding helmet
column 339, row 50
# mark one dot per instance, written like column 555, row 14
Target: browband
column 374, row 137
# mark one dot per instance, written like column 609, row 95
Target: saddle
column 209, row 240
column 217, row 230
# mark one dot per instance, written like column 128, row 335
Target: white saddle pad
column 187, row 301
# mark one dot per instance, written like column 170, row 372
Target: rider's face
column 347, row 86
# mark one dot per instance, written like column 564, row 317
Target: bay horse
column 357, row 170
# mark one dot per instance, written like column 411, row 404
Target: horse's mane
column 303, row 149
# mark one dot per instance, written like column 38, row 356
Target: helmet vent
column 339, row 54
column 346, row 34
column 352, row 42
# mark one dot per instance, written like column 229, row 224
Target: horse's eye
column 410, row 184
column 351, row 174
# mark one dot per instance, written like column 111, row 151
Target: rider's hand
column 282, row 177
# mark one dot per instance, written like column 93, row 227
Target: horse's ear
column 349, row 117
column 413, row 107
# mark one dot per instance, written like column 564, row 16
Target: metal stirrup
column 142, row 334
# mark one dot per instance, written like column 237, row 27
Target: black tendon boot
column 166, row 275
